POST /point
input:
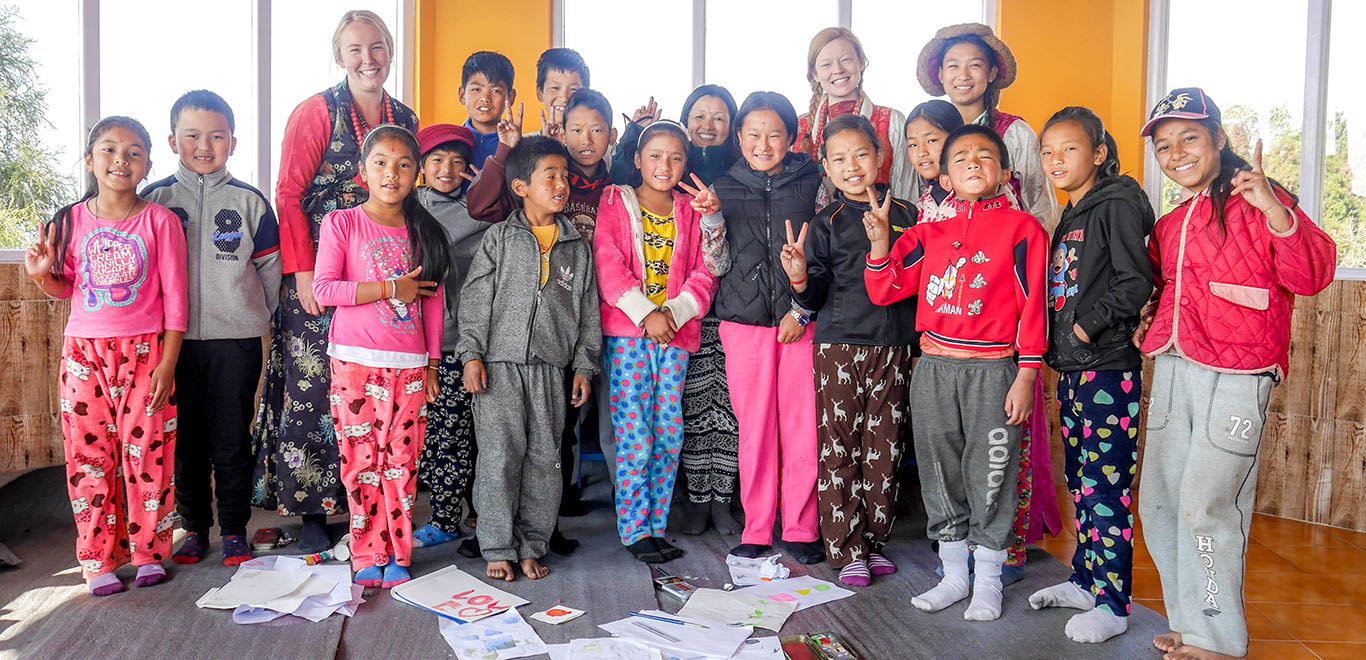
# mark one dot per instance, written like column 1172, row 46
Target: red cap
column 436, row 135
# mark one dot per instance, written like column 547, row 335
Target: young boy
column 486, row 91
column 559, row 73
column 447, row 466
column 233, row 244
column 980, row 278
column 528, row 312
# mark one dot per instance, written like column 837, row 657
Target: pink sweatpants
column 381, row 417
column 108, row 433
column 774, row 398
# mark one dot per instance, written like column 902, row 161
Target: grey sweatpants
column 1198, row 483
column 968, row 456
column 517, row 483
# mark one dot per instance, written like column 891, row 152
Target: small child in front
column 529, row 310
column 980, row 278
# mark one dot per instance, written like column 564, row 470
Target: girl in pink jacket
column 1228, row 261
column 654, row 289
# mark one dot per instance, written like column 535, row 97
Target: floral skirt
column 297, row 464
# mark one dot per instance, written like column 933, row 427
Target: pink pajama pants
column 774, row 398
column 107, row 433
column 380, row 416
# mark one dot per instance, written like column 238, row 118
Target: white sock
column 1065, row 594
column 1095, row 626
column 986, row 585
column 954, row 586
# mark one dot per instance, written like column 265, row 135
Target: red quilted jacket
column 1225, row 302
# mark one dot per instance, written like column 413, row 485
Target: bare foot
column 1167, row 642
column 1188, row 652
column 534, row 569
column 501, row 570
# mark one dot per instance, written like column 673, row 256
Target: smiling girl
column 385, row 345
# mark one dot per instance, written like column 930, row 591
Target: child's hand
column 877, row 225
column 659, row 328
column 1020, row 399
column 431, row 385
column 407, row 287
column 789, row 330
column 474, row 377
column 581, row 391
column 704, row 201
column 163, row 385
column 510, row 129
column 40, row 258
column 646, row 114
column 794, row 257
column 1142, row 331
column 469, row 174
column 551, row 126
column 1081, row 334
column 1256, row 189
column 303, row 281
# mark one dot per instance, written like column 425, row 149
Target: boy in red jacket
column 980, row 278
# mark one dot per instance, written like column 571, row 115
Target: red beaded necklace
column 359, row 125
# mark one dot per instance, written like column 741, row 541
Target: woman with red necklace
column 297, row 463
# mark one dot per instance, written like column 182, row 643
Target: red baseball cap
column 1181, row 103
column 436, row 135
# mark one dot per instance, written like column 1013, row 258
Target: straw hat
column 932, row 56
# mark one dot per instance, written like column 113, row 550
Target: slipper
column 855, row 574
column 431, row 535
column 880, row 565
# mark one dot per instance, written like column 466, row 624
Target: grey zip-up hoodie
column 505, row 314
column 232, row 244
column 463, row 234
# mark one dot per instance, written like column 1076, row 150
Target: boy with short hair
column 980, row 278
column 528, row 312
column 486, row 92
column 233, row 243
column 559, row 73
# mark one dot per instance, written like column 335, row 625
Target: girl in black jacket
column 862, row 353
column 1099, row 280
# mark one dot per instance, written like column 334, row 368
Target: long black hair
column 1096, row 134
column 724, row 155
column 426, row 239
column 62, row 218
column 992, row 96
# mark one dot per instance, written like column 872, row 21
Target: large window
column 749, row 46
column 1280, row 75
column 91, row 58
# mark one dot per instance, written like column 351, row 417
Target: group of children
column 850, row 275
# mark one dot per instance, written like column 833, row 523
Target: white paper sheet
column 805, row 591
column 737, row 607
column 498, row 637
column 557, row 615
column 760, row 648
column 745, row 571
column 454, row 594
column 254, row 588
column 688, row 641
column 327, row 590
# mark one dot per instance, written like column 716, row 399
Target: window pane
column 1344, row 171
column 629, row 78
column 1260, row 89
column 40, row 161
column 760, row 45
column 152, row 51
column 892, row 33
column 301, row 60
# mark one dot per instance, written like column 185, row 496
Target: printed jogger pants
column 861, row 394
column 518, row 419
column 107, row 432
column 1199, row 484
column 381, row 417
column 967, row 455
column 1099, row 416
column 448, row 451
column 646, row 382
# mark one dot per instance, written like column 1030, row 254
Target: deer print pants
column 861, row 397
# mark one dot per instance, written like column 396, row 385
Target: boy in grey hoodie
column 233, row 243
column 528, row 311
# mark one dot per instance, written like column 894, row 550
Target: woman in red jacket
column 1229, row 261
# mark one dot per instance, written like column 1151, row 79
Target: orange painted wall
column 449, row 30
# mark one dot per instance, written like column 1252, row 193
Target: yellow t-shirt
column 546, row 236
column 659, row 253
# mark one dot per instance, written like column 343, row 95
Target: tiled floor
column 1305, row 587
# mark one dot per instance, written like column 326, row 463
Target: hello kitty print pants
column 646, row 403
column 381, row 416
column 109, row 433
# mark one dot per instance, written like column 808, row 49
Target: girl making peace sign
column 862, row 353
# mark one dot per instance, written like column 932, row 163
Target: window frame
column 1314, row 114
